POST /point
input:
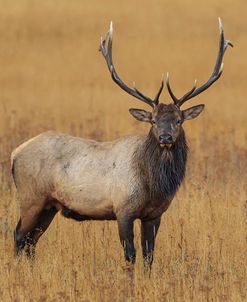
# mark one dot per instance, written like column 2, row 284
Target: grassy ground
column 52, row 77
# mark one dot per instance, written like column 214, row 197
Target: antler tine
column 175, row 99
column 183, row 98
column 217, row 71
column 156, row 99
column 107, row 54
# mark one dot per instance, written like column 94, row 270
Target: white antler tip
column 167, row 78
column 111, row 28
column 220, row 24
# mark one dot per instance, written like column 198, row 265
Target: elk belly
column 86, row 198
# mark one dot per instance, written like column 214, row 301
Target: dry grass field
column 52, row 77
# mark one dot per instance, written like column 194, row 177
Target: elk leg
column 18, row 238
column 29, row 240
column 149, row 229
column 126, row 234
column 22, row 242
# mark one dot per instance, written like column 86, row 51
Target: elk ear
column 192, row 112
column 141, row 115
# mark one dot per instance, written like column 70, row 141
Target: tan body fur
column 91, row 178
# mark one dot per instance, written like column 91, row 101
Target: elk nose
column 165, row 139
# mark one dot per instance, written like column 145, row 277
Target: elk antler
column 106, row 49
column 218, row 69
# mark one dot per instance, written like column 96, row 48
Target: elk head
column 166, row 120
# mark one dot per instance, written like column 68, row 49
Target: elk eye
column 178, row 122
column 153, row 122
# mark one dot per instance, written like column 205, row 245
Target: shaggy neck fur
column 162, row 169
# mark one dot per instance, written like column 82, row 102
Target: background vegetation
column 52, row 77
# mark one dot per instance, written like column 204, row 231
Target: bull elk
column 133, row 177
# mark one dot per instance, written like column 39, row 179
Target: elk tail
column 13, row 161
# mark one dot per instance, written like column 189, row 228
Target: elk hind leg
column 26, row 239
column 18, row 238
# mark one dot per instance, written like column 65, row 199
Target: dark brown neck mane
column 162, row 170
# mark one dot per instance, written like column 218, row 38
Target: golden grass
column 52, row 77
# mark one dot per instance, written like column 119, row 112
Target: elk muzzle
column 165, row 140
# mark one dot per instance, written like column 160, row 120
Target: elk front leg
column 149, row 231
column 126, row 234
